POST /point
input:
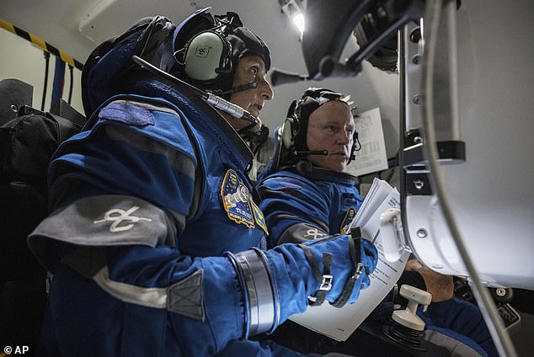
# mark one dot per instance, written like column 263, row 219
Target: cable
column 489, row 312
column 47, row 62
column 71, row 70
column 213, row 100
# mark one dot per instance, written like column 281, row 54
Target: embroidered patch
column 236, row 199
column 258, row 217
column 313, row 233
column 128, row 113
column 116, row 216
column 345, row 224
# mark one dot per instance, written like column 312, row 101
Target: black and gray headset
column 293, row 132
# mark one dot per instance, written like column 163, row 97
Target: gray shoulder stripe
column 108, row 220
column 180, row 161
column 150, row 297
column 184, row 297
column 300, row 233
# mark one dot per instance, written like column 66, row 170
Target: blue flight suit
column 300, row 205
column 299, row 208
column 155, row 242
column 462, row 322
column 140, row 146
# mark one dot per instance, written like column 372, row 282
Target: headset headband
column 211, row 53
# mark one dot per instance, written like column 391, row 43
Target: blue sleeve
column 127, row 184
column 151, row 157
column 121, row 193
column 293, row 206
column 463, row 318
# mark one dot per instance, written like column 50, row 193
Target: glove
column 334, row 268
column 363, row 256
column 282, row 281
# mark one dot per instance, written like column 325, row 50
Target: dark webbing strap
column 325, row 278
column 326, row 281
column 355, row 254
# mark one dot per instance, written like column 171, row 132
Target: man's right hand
column 440, row 286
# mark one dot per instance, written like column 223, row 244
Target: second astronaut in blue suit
column 304, row 192
column 305, row 195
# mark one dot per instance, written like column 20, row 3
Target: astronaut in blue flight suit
column 306, row 195
column 155, row 244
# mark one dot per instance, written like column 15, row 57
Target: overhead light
column 292, row 9
column 298, row 20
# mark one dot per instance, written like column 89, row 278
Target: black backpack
column 28, row 138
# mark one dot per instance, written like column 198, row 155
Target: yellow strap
column 36, row 40
column 7, row 26
column 66, row 58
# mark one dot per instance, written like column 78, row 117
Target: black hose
column 71, row 82
column 47, row 63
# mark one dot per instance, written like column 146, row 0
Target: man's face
column 331, row 127
column 250, row 69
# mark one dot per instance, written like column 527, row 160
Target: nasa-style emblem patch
column 236, row 199
column 345, row 224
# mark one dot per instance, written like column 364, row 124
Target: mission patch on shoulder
column 236, row 199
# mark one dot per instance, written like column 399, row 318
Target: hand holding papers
column 339, row 324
